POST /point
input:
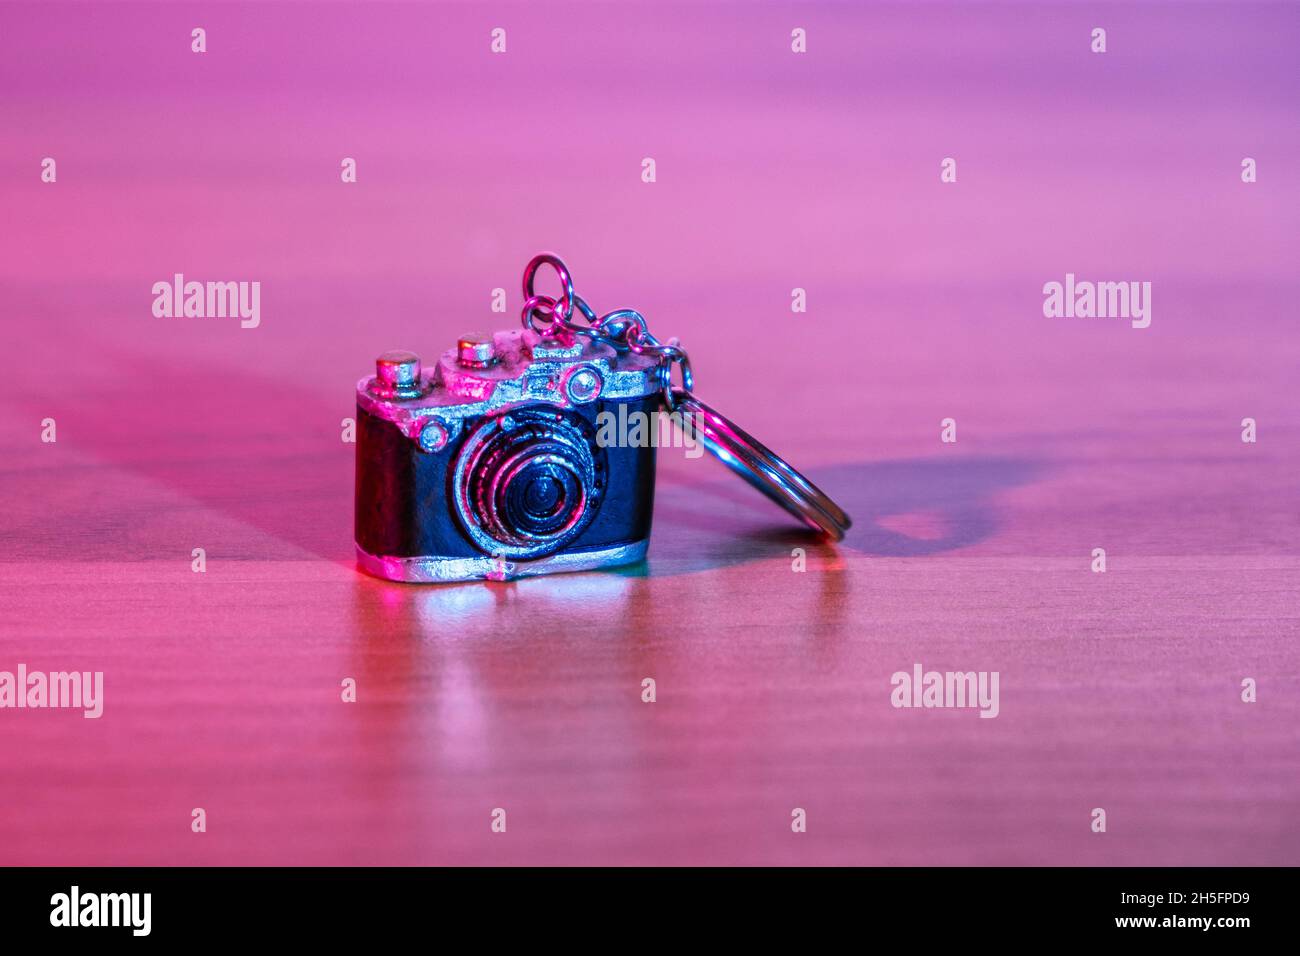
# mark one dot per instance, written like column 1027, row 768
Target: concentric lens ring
column 527, row 482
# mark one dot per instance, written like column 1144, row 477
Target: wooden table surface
column 1119, row 690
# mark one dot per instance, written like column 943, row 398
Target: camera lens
column 543, row 497
column 528, row 482
column 541, row 502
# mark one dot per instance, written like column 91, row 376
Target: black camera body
column 496, row 463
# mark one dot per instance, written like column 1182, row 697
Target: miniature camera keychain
column 490, row 465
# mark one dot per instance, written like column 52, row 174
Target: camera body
column 488, row 465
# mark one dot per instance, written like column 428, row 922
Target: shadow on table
column 164, row 457
column 911, row 508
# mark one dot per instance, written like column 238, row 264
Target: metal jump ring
column 643, row 343
column 587, row 311
column 670, row 393
column 540, row 307
column 566, row 282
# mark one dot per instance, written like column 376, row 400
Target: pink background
column 775, row 170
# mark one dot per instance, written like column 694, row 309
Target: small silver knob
column 476, row 350
column 398, row 370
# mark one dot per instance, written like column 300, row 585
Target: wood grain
column 1119, row 690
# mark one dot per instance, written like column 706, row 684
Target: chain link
column 624, row 330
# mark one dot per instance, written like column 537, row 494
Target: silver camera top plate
column 484, row 375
